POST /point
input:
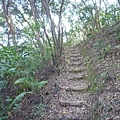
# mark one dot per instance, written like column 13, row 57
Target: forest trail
column 72, row 101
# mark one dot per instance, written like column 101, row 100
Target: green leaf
column 11, row 70
column 20, row 96
column 41, row 84
column 8, row 100
column 2, row 67
column 21, row 80
column 38, row 85
column 2, row 84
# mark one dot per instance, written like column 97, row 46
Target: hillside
column 102, row 56
column 88, row 85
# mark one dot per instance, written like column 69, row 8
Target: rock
column 77, row 63
column 81, row 87
column 77, row 70
column 75, row 55
column 75, row 59
column 73, row 103
column 79, row 76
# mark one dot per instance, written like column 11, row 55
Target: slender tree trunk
column 45, row 5
column 60, row 32
column 57, row 41
column 11, row 29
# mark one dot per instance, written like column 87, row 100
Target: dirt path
column 72, row 101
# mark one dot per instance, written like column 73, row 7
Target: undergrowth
column 18, row 68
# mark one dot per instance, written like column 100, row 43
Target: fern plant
column 25, row 83
column 30, row 83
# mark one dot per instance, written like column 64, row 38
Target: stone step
column 69, row 113
column 76, row 59
column 81, row 88
column 75, row 52
column 77, row 63
column 74, row 99
column 75, row 55
column 77, row 70
column 78, row 76
column 70, row 85
column 73, row 103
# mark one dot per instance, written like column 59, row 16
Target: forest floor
column 87, row 86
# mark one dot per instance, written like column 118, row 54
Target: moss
column 91, row 75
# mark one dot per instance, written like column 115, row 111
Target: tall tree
column 57, row 40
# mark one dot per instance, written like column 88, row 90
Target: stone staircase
column 73, row 99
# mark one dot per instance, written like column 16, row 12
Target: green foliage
column 69, row 43
column 4, row 107
column 94, row 114
column 102, row 48
column 29, row 83
column 18, row 67
column 2, row 85
column 18, row 63
column 2, row 20
column 19, row 97
column 31, row 30
column 118, row 38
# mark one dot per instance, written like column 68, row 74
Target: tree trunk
column 11, row 29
